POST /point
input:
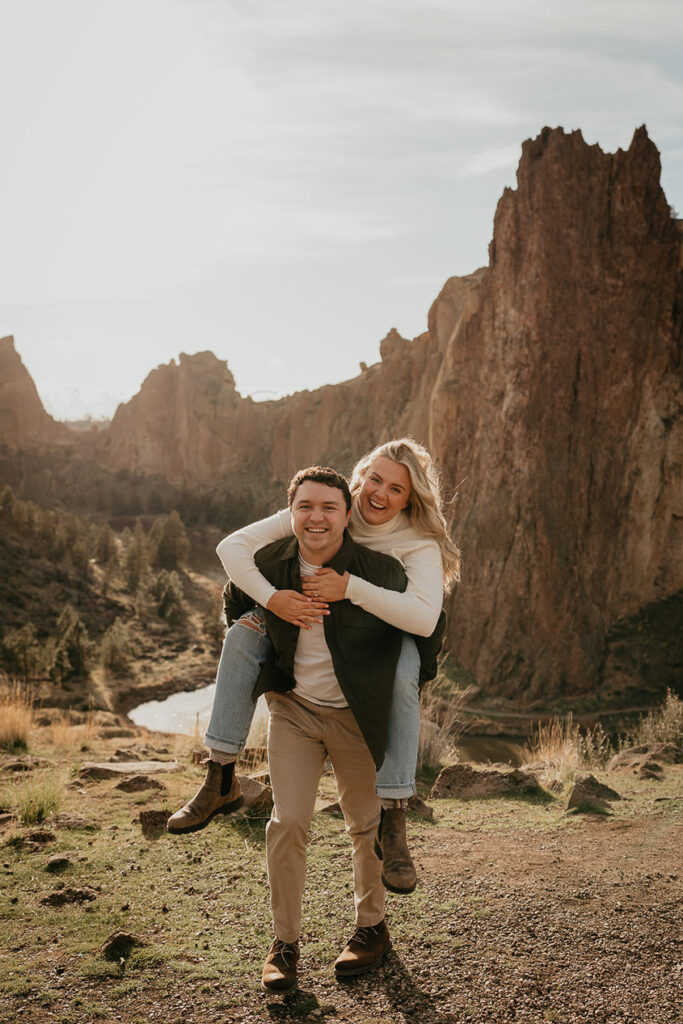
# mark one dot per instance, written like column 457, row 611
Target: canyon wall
column 23, row 420
column 547, row 386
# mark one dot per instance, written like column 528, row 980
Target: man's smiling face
column 319, row 518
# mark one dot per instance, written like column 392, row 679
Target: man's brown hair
column 319, row 475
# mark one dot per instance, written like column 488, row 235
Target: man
column 329, row 694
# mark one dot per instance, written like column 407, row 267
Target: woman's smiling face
column 385, row 491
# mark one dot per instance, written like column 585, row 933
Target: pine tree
column 171, row 544
column 136, row 558
column 115, row 649
column 23, row 650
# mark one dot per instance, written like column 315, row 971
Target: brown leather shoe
column 391, row 846
column 279, row 970
column 364, row 951
column 207, row 802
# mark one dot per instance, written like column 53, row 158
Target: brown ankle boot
column 391, row 846
column 208, row 801
column 279, row 970
column 364, row 951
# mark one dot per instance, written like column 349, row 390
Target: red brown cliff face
column 23, row 421
column 188, row 424
column 562, row 414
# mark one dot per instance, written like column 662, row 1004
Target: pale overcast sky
column 282, row 182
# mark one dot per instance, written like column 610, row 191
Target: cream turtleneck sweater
column 416, row 610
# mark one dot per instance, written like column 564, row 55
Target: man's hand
column 327, row 585
column 296, row 608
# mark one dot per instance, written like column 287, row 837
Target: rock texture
column 589, row 795
column 23, row 420
column 468, row 783
column 189, row 424
column 548, row 388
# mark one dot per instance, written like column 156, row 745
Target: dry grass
column 440, row 726
column 662, row 726
column 16, row 718
column 562, row 748
column 35, row 798
column 65, row 734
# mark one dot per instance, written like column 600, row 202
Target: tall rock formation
column 188, row 424
column 559, row 404
column 23, row 420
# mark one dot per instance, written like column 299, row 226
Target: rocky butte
column 23, row 420
column 548, row 387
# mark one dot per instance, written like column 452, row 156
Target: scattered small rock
column 119, row 945
column 125, row 754
column 96, row 771
column 137, row 783
column 69, row 895
column 41, row 835
column 153, row 822
column 592, row 796
column 58, row 862
column 330, row 807
column 255, row 794
column 650, row 770
column 633, row 757
column 468, row 783
column 419, row 807
column 25, row 764
column 75, row 821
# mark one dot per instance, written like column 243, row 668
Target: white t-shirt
column 313, row 668
column 416, row 610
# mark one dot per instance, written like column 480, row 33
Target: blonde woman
column 397, row 509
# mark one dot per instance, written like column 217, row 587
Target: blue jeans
column 246, row 648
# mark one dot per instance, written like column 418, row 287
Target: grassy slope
column 200, row 903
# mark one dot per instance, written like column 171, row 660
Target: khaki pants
column 300, row 736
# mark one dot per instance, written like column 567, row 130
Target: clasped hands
column 318, row 591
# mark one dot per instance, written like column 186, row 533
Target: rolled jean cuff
column 395, row 792
column 224, row 745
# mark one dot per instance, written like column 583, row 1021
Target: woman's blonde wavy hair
column 425, row 507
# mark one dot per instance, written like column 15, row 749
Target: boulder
column 58, row 862
column 589, row 795
column 95, row 771
column 69, row 895
column 138, row 783
column 256, row 795
column 332, row 807
column 153, row 822
column 468, row 783
column 419, row 807
column 633, row 757
column 118, row 945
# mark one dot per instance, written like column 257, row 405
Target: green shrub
column 115, row 648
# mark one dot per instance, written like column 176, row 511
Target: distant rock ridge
column 548, row 388
column 23, row 420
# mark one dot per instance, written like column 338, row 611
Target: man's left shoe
column 279, row 970
column 391, row 846
column 364, row 951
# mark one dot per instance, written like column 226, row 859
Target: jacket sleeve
column 237, row 551
column 429, row 648
column 235, row 602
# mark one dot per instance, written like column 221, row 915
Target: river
column 189, row 713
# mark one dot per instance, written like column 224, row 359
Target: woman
column 397, row 509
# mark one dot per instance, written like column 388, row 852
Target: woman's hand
column 296, row 608
column 327, row 585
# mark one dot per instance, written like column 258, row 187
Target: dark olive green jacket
column 364, row 649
